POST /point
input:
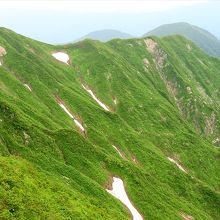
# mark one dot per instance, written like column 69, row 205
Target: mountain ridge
column 150, row 86
column 105, row 35
column 201, row 37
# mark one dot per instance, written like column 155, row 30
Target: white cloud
column 96, row 6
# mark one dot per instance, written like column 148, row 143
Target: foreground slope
column 150, row 119
column 202, row 38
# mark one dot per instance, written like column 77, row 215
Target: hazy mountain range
column 202, row 38
column 106, row 35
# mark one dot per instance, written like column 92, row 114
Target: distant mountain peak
column 106, row 35
column 202, row 38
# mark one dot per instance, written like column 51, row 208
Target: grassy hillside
column 163, row 96
column 202, row 38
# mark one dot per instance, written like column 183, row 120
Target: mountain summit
column 106, row 35
column 202, row 38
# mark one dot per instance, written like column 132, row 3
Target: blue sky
column 64, row 21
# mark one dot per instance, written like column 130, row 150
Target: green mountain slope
column 163, row 101
column 202, row 38
column 106, row 35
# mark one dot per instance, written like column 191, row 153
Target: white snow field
column 78, row 124
column 62, row 57
column 118, row 191
column 105, row 107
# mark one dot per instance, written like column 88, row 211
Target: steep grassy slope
column 153, row 115
column 27, row 193
column 202, row 38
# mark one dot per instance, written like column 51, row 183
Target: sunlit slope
column 145, row 121
column 27, row 193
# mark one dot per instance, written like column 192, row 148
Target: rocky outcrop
column 2, row 53
column 159, row 55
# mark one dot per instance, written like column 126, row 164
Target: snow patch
column 27, row 86
column 63, row 57
column 105, row 107
column 177, row 164
column 78, row 124
column 118, row 191
column 117, row 151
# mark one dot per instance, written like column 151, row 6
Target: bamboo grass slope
column 147, row 113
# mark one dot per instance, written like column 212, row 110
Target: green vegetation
column 167, row 101
column 27, row 193
column 202, row 38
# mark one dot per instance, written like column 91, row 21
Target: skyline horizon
column 109, row 29
column 62, row 25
